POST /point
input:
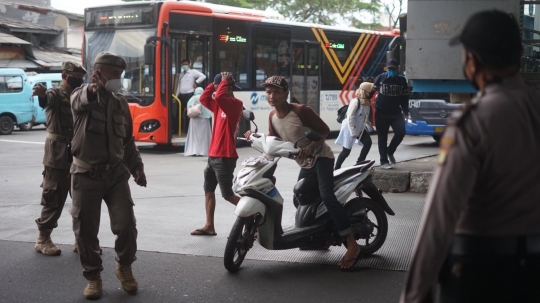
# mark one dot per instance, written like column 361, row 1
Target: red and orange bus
column 321, row 63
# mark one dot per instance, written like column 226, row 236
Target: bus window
column 271, row 54
column 231, row 49
column 127, row 44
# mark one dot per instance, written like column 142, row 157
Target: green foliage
column 326, row 12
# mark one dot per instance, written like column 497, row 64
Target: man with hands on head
column 222, row 153
column 104, row 156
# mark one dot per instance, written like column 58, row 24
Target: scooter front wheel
column 240, row 241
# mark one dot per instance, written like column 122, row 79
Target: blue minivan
column 16, row 104
column 49, row 81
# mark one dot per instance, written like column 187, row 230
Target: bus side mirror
column 149, row 53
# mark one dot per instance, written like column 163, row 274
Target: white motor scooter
column 261, row 206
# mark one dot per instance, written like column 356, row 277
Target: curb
column 399, row 181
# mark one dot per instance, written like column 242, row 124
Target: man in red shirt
column 222, row 154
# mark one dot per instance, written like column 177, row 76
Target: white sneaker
column 387, row 166
column 391, row 158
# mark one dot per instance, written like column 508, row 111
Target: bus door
column 306, row 74
column 196, row 49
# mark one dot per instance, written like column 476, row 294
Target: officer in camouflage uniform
column 57, row 158
column 104, row 155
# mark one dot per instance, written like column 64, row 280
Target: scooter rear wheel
column 376, row 216
column 240, row 241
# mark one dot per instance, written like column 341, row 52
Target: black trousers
column 490, row 278
column 383, row 126
column 366, row 141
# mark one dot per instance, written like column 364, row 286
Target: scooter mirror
column 248, row 115
column 312, row 135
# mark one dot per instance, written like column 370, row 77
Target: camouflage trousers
column 88, row 190
column 56, row 186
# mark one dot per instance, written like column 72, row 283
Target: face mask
column 391, row 73
column 113, row 85
column 185, row 68
column 74, row 82
column 473, row 80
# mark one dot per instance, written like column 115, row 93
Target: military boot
column 124, row 274
column 46, row 246
column 93, row 288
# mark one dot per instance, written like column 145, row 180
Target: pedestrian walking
column 479, row 237
column 356, row 126
column 104, row 155
column 222, row 154
column 188, row 80
column 391, row 109
column 200, row 132
column 57, row 158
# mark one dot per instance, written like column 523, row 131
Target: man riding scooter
column 290, row 122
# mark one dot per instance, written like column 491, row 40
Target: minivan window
column 55, row 84
column 11, row 84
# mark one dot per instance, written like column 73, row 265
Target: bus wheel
column 437, row 138
column 26, row 126
column 6, row 125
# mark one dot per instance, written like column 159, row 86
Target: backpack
column 342, row 113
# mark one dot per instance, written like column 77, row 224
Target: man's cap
column 108, row 58
column 494, row 36
column 392, row 63
column 217, row 81
column 73, row 67
column 277, row 81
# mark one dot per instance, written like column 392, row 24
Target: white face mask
column 185, row 68
column 114, row 85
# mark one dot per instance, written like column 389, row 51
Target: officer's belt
column 59, row 138
column 482, row 245
column 95, row 167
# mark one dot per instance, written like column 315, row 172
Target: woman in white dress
column 356, row 126
column 199, row 131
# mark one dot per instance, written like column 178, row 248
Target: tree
column 327, row 12
column 390, row 7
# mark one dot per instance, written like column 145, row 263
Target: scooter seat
column 307, row 186
column 344, row 173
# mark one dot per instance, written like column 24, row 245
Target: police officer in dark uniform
column 391, row 109
column 104, row 156
column 480, row 233
column 57, row 159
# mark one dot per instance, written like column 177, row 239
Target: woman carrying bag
column 199, row 131
column 356, row 126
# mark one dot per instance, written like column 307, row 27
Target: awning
column 28, row 27
column 24, row 64
column 10, row 39
column 53, row 59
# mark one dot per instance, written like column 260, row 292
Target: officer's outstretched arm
column 82, row 99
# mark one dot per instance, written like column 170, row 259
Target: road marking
column 15, row 141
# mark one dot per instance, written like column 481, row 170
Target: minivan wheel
column 6, row 125
column 26, row 126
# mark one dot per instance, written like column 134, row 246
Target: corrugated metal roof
column 41, row 10
column 18, row 64
column 54, row 59
column 28, row 27
column 10, row 39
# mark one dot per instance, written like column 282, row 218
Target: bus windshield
column 128, row 44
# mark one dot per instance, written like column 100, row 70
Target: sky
column 78, row 6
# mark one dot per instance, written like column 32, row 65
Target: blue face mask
column 391, row 73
